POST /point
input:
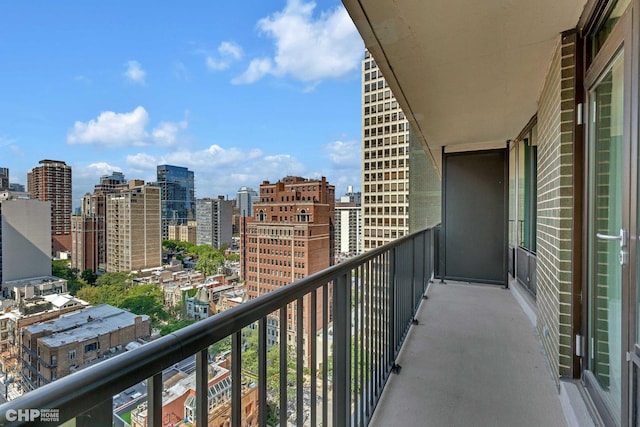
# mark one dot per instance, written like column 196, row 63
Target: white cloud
column 258, row 68
column 166, row 133
column 220, row 170
column 85, row 177
column 94, row 170
column 113, row 129
column 230, row 49
column 343, row 154
column 135, row 73
column 142, row 161
column 308, row 48
column 227, row 53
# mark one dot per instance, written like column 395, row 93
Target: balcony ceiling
column 467, row 73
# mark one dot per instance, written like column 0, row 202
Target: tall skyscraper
column 4, row 178
column 213, row 217
column 178, row 196
column 245, row 199
column 385, row 160
column 88, row 230
column 51, row 182
column 133, row 228
column 289, row 236
column 349, row 224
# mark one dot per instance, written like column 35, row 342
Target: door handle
column 622, row 237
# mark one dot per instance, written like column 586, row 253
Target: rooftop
column 85, row 324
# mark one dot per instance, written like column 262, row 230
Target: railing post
column 300, row 361
column 313, row 336
column 393, row 299
column 236, row 379
column 411, row 302
column 154, row 400
column 341, row 352
column 202, row 385
column 262, row 372
column 284, row 337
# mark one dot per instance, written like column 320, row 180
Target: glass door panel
column 607, row 241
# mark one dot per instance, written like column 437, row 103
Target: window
column 91, row 347
column 527, row 194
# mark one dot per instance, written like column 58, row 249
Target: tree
column 60, row 268
column 89, row 276
column 221, row 346
column 170, row 245
column 121, row 278
column 173, row 325
column 210, row 262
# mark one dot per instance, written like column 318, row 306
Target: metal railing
column 334, row 375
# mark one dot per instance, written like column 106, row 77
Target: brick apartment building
column 289, row 236
column 51, row 182
column 88, row 230
column 56, row 348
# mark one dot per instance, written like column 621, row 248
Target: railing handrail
column 91, row 386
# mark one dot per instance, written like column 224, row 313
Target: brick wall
column 556, row 127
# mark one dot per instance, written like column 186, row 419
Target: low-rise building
column 34, row 310
column 56, row 348
column 179, row 401
column 199, row 306
column 19, row 290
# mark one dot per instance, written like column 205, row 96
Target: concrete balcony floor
column 473, row 359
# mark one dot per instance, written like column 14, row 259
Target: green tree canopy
column 209, row 262
column 60, row 268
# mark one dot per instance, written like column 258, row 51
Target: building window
column 527, row 186
column 91, row 347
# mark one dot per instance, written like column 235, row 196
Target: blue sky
column 238, row 92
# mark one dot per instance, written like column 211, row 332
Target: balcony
column 467, row 354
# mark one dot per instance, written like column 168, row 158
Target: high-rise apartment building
column 88, row 230
column 289, row 237
column 178, row 196
column 385, row 160
column 349, row 224
column 25, row 238
column 4, row 178
column 51, row 182
column 245, row 199
column 214, row 224
column 133, row 227
column 184, row 233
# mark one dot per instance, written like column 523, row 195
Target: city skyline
column 222, row 90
